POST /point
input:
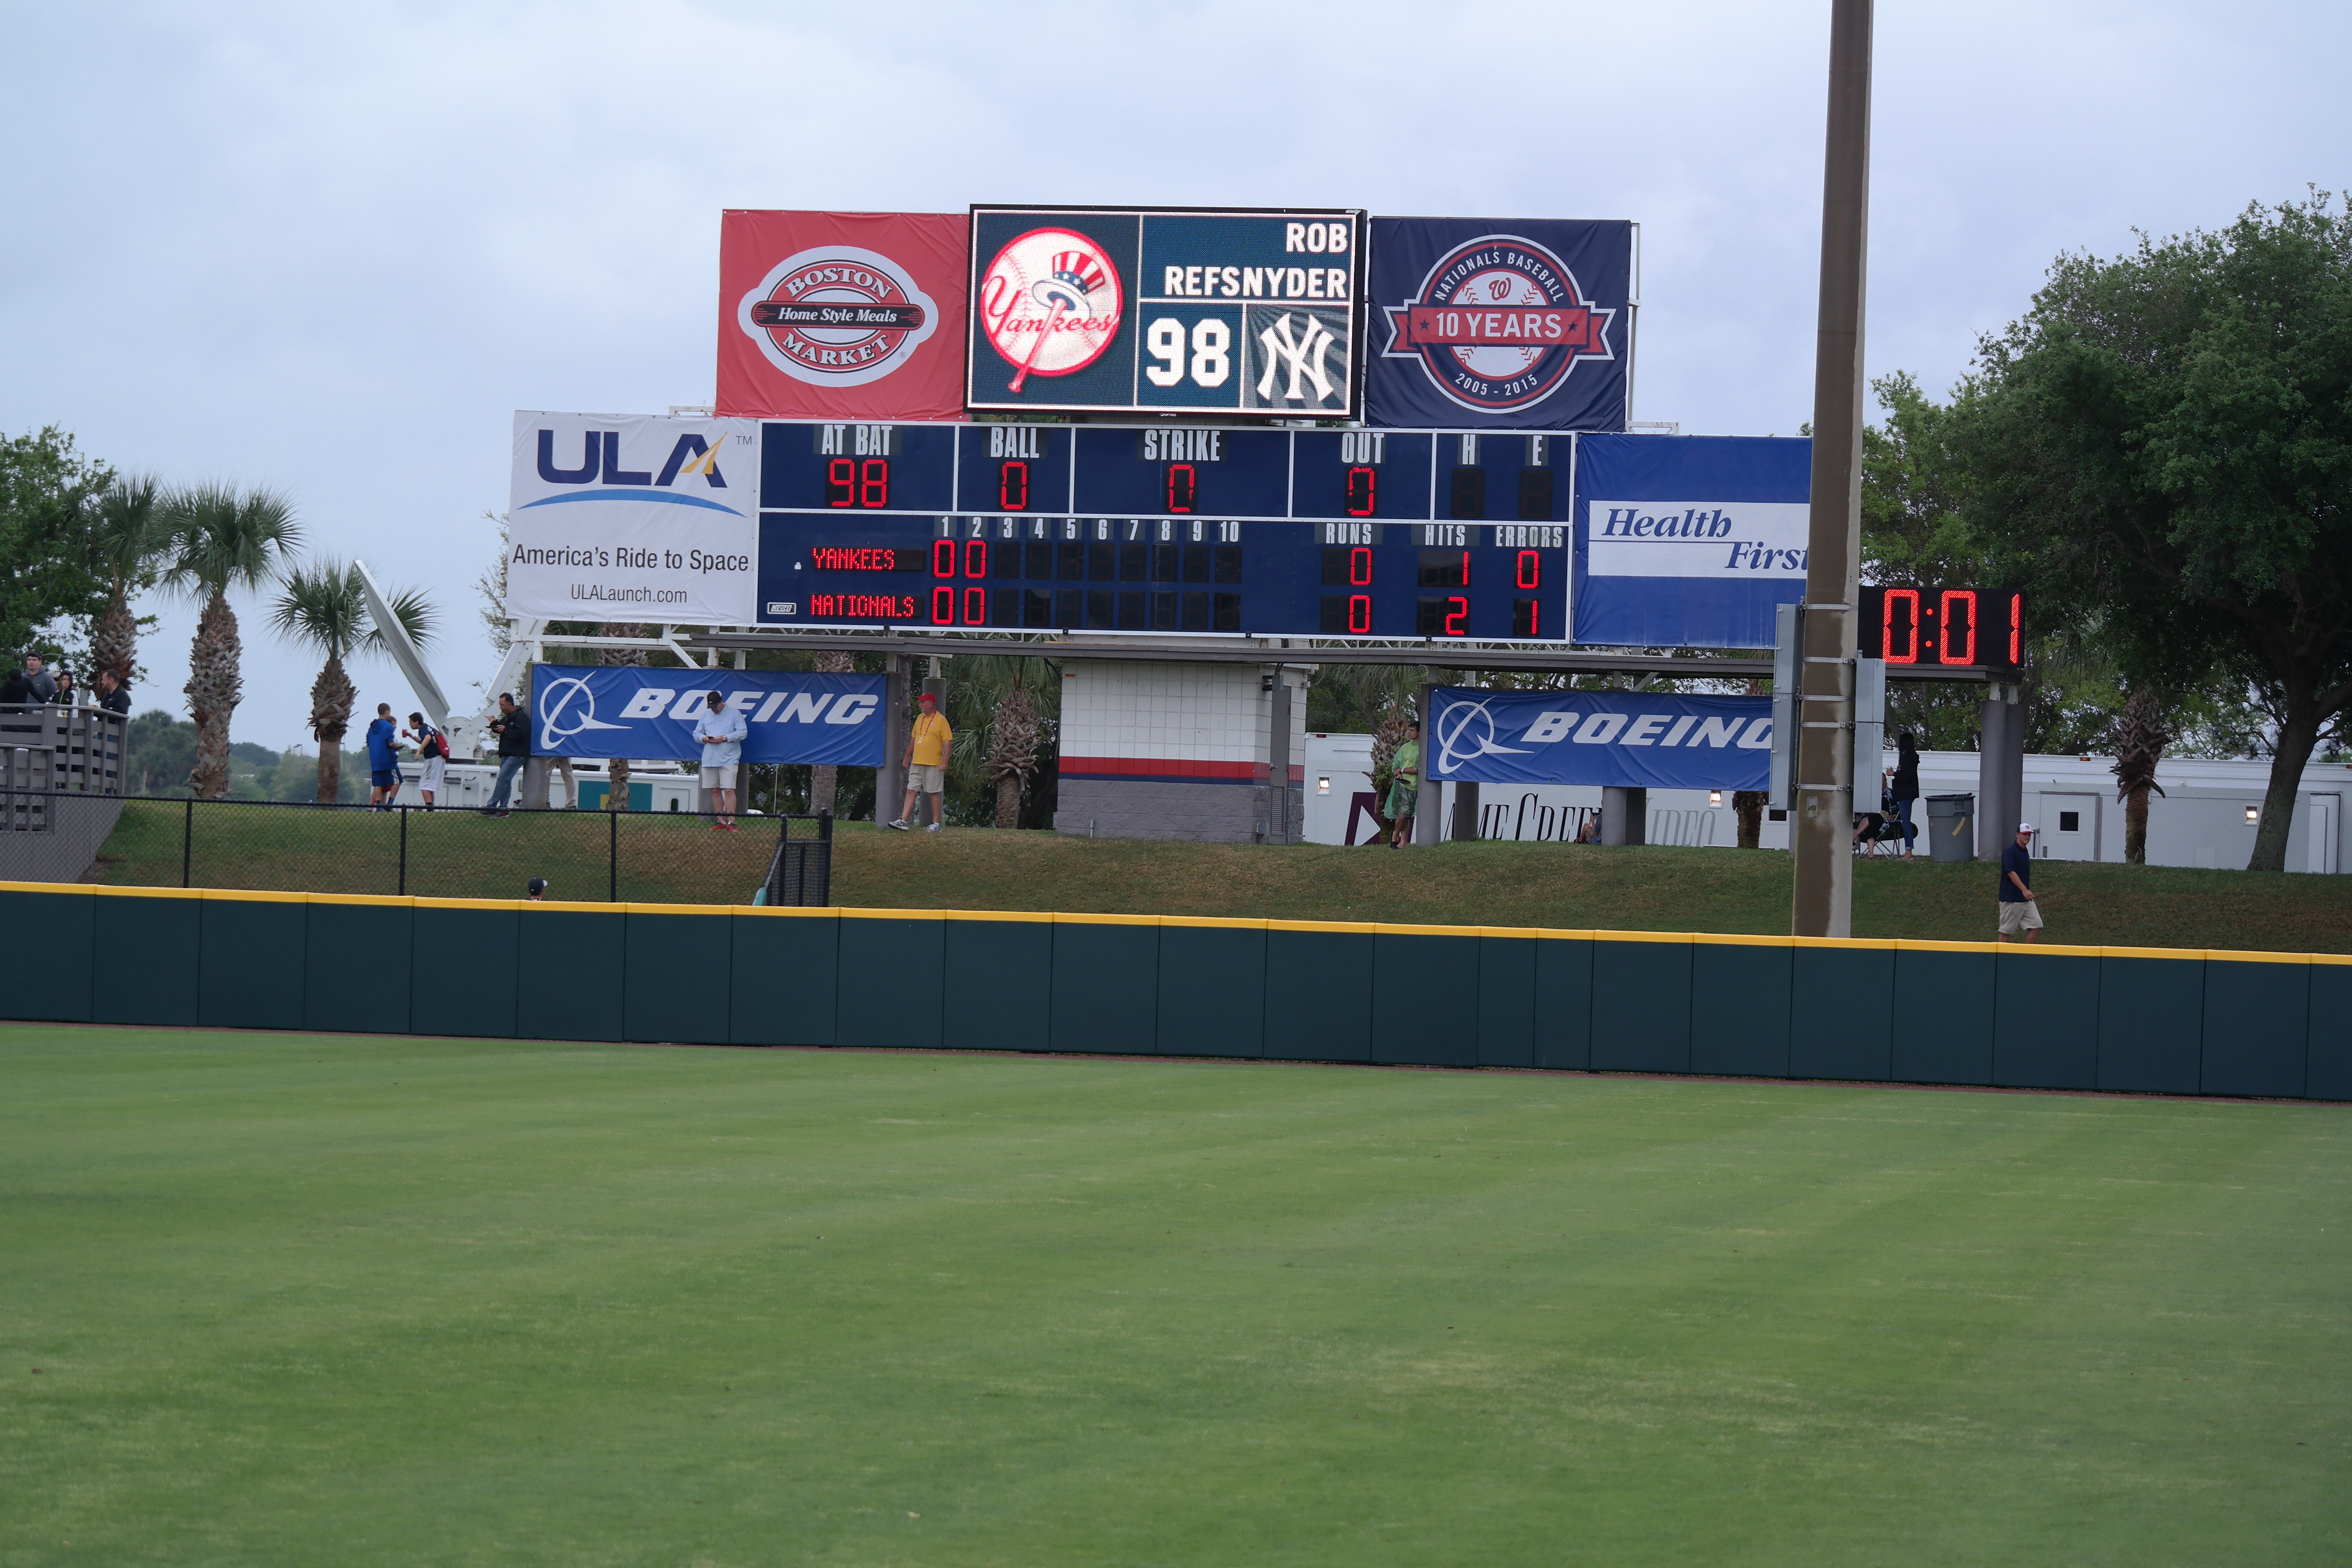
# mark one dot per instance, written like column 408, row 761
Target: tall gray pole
column 1823, row 823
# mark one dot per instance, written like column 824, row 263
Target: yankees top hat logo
column 1050, row 304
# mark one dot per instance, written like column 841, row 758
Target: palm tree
column 616, row 769
column 2139, row 741
column 220, row 539
column 824, row 779
column 126, row 537
column 325, row 608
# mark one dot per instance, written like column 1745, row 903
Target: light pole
column 1824, row 821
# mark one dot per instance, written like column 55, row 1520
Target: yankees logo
column 1498, row 323
column 837, row 316
column 1302, row 356
column 1050, row 304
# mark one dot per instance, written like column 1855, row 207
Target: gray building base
column 1195, row 813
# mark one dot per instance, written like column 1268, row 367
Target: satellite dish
column 404, row 652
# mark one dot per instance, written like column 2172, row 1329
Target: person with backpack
column 432, row 747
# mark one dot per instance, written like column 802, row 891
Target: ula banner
column 632, row 519
column 1632, row 739
column 609, row 711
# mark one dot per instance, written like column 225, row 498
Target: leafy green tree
column 324, row 607
column 2164, row 445
column 221, row 540
column 46, row 491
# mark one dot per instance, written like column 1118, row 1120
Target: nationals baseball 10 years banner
column 621, row 710
column 1505, row 324
column 1636, row 740
column 1166, row 310
column 633, row 518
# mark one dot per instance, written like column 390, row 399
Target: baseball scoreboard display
column 1268, row 533
column 1962, row 628
column 1166, row 310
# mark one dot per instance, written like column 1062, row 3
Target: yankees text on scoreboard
column 1386, row 533
column 1166, row 310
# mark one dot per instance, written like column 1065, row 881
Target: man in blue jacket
column 2018, row 913
column 384, row 759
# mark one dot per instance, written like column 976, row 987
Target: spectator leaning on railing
column 112, row 694
column 42, row 685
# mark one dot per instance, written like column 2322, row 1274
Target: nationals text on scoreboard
column 1166, row 310
column 1269, row 532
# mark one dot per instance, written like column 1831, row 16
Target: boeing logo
column 600, row 465
column 568, row 708
column 570, row 696
column 1454, row 722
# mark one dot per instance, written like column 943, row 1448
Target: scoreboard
column 1959, row 628
column 1266, row 532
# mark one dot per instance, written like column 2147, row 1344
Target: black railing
column 669, row 857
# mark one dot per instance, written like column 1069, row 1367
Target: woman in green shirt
column 1404, row 786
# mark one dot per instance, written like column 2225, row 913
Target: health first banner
column 1688, row 541
column 1500, row 324
column 606, row 710
column 1631, row 739
column 842, row 315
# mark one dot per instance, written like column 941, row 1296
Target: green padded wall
column 1739, row 1008
column 1641, row 1007
column 570, row 973
column 889, row 976
column 249, row 973
column 62, row 930
column 464, row 982
column 1211, row 990
column 1507, row 1000
column 1424, row 988
column 1318, row 995
column 2257, row 1027
column 1563, row 1031
column 1943, row 1016
column 680, row 981
column 1842, row 1022
column 999, row 985
column 2045, row 1019
column 1105, row 994
column 784, row 978
column 2151, row 1023
column 356, row 964
column 147, row 943
column 2327, row 1069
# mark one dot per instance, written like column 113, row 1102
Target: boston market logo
column 837, row 316
column 1498, row 324
column 1049, row 303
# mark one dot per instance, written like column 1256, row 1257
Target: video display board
column 1165, row 528
column 1166, row 310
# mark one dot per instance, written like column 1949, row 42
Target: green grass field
column 671, row 859
column 299, row 1299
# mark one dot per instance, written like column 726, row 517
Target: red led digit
column 1910, row 598
column 1361, row 486
column 1360, row 567
column 1183, row 486
column 943, row 557
column 874, row 483
column 1360, row 613
column 1966, row 599
column 1460, row 613
column 1465, row 571
column 943, row 606
column 1012, row 486
column 2016, row 629
column 840, row 482
column 1530, row 569
column 975, row 607
column 975, row 558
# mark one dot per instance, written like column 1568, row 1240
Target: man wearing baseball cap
column 2018, row 912
column 927, row 763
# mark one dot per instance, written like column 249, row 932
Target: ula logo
column 1050, row 304
column 837, row 316
column 1498, row 324
column 600, row 461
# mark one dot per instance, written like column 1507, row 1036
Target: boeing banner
column 1637, row 740
column 608, row 711
column 1688, row 541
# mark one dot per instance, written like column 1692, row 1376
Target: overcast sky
column 329, row 250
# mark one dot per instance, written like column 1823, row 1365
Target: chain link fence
column 668, row 858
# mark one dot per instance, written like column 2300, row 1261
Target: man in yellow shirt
column 927, row 764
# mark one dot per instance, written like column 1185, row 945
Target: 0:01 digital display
column 1959, row 628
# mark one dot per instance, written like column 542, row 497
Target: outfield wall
column 2156, row 1020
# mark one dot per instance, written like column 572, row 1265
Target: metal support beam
column 1822, row 824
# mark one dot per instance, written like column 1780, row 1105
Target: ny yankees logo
column 1303, row 357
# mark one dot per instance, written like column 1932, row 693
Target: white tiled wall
column 1196, row 712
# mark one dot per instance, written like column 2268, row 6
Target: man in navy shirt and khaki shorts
column 2018, row 913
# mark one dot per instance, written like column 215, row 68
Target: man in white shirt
column 721, row 731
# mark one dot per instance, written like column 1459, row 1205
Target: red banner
column 1455, row 326
column 842, row 315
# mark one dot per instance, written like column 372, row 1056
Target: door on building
column 2322, row 822
column 2069, row 825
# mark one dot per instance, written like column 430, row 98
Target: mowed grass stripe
column 301, row 1299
